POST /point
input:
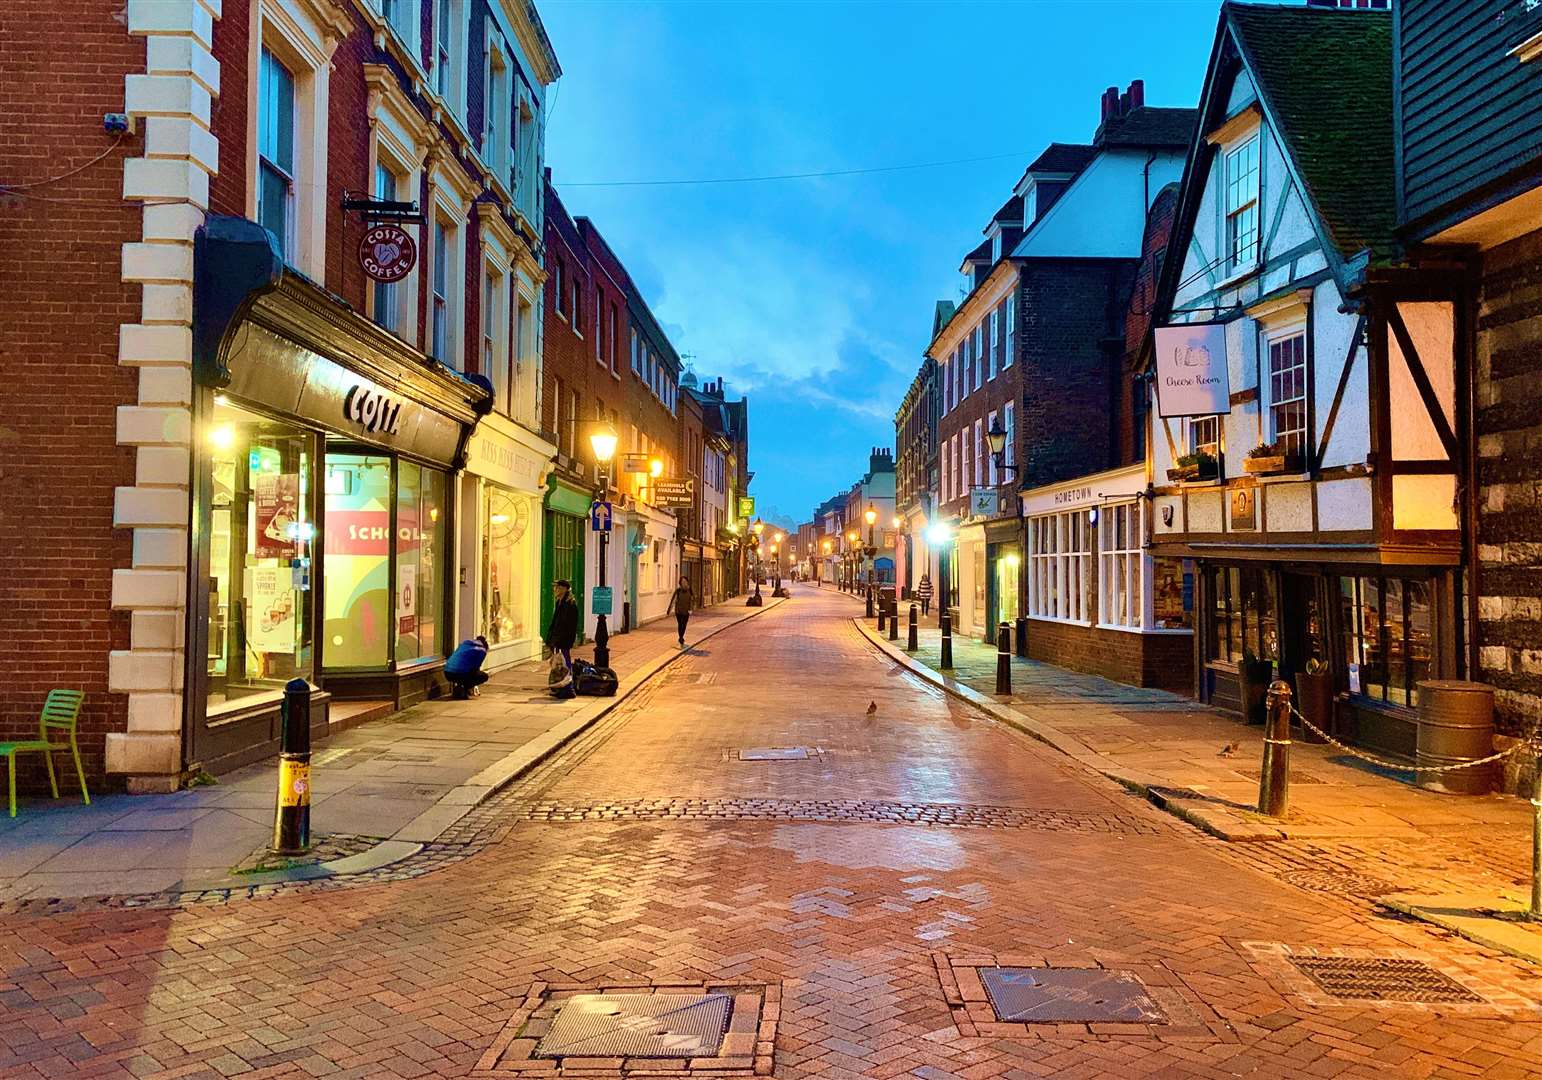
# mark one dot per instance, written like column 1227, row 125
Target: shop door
column 1304, row 632
column 563, row 558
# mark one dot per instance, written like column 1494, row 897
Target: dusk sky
column 815, row 296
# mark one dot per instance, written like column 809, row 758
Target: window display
column 1172, row 593
column 1059, row 553
column 421, row 520
column 1243, row 624
column 1386, row 624
column 260, row 537
column 1119, row 566
column 505, row 555
column 358, row 560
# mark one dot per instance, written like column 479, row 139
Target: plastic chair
column 61, row 711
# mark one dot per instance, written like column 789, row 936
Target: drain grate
column 1383, row 978
column 774, row 753
column 637, row 1025
column 1068, row 996
column 1339, row 882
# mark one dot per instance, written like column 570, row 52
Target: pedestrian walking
column 463, row 670
column 924, row 591
column 681, row 603
column 562, row 631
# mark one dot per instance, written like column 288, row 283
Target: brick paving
column 851, row 919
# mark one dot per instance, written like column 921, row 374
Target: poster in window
column 271, row 626
column 406, row 599
column 1172, row 594
column 1191, row 370
column 277, row 500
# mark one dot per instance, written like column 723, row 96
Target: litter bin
column 1456, row 723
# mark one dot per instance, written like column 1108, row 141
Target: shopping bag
column 558, row 675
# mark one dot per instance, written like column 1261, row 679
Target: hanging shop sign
column 746, row 507
column 674, row 494
column 1191, row 370
column 983, row 502
column 634, row 463
column 387, row 253
column 373, row 410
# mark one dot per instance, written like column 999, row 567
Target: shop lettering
column 381, row 532
column 1073, row 496
column 373, row 410
column 1197, row 380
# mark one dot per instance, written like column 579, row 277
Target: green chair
column 61, row 711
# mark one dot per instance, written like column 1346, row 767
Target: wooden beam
column 1338, row 394
column 1422, row 381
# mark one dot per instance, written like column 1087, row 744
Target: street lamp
column 939, row 535
column 758, row 528
column 602, row 440
column 818, row 575
column 871, row 515
column 996, row 442
column 851, row 570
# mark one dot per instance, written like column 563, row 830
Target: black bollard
column 911, row 642
column 1004, row 660
column 1274, row 779
column 883, row 614
column 292, row 815
column 1022, row 637
column 893, row 619
column 869, row 593
column 946, row 662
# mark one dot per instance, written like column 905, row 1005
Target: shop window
column 953, row 576
column 260, row 542
column 1008, row 572
column 1387, row 630
column 357, row 586
column 1287, row 394
column 1205, row 435
column 276, row 152
column 421, row 520
column 1059, row 551
column 1172, row 593
column 1119, row 566
column 1242, row 619
column 506, row 521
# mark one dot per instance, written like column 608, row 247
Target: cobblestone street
column 787, row 816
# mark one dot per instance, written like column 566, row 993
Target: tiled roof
column 1149, row 126
column 1063, row 158
column 940, row 317
column 1011, row 210
column 982, row 253
column 1325, row 77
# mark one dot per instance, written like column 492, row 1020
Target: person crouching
column 463, row 669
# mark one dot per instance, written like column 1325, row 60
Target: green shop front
column 562, row 543
column 323, row 526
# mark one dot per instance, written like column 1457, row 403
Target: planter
column 1254, row 676
column 1182, row 473
column 1314, row 697
column 1275, row 463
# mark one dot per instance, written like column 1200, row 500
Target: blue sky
column 815, row 297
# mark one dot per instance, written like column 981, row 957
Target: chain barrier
column 1530, row 740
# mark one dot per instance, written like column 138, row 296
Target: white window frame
column 400, row 138
column 1009, row 422
column 1200, row 428
column 499, row 244
column 1059, row 557
column 1121, row 567
column 946, row 495
column 450, row 197
column 450, row 54
column 990, row 463
column 305, row 48
column 977, row 456
column 1009, row 348
column 978, row 338
column 1275, row 384
column 990, row 346
column 1242, row 201
column 497, row 104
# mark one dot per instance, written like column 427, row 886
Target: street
column 857, row 893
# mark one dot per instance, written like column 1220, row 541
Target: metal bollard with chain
column 1274, row 779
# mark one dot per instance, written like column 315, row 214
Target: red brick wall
column 566, row 356
column 1137, row 324
column 1159, row 660
column 64, row 64
column 990, row 397
column 228, row 116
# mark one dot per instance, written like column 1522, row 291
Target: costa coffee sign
column 387, row 253
column 373, row 410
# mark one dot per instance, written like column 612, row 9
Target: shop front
column 565, row 528
column 501, row 586
column 1098, row 600
column 323, row 464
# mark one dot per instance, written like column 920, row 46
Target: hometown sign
column 1191, row 370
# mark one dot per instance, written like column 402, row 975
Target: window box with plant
column 1267, row 459
column 1195, row 466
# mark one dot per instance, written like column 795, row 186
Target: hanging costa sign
column 387, row 253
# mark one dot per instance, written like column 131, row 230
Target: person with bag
column 561, row 633
column 924, row 591
column 681, row 603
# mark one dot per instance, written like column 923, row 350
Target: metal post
column 1004, row 660
column 911, row 642
column 1022, row 637
column 869, row 593
column 1274, row 780
column 893, row 619
column 1536, row 836
column 292, row 812
column 601, row 631
column 883, row 614
column 947, row 639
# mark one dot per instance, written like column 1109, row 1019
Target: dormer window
column 1242, row 206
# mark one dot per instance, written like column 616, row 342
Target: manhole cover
column 1339, row 882
column 1068, row 996
column 637, row 1025
column 1383, row 978
column 774, row 753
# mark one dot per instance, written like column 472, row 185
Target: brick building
column 915, row 476
column 252, row 391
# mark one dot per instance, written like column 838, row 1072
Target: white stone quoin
column 170, row 104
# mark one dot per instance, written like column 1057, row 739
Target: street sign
column 634, row 463
column 599, row 516
column 746, row 506
column 599, row 600
column 674, row 494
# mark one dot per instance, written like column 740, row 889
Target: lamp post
column 895, row 522
column 871, row 516
column 757, row 528
column 818, row 579
column 939, row 535
column 851, row 572
column 776, row 565
column 603, row 441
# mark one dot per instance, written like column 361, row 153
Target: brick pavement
column 851, row 920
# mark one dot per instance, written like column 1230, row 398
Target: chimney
column 1110, row 103
column 1137, row 93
